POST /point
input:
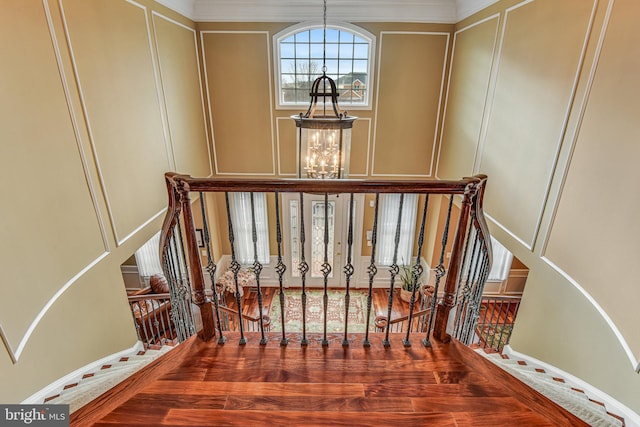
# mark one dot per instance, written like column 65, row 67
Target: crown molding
column 440, row 11
column 185, row 8
column 466, row 8
column 433, row 11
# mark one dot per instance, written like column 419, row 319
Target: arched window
column 299, row 57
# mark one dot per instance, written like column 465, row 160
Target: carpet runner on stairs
column 110, row 374
column 559, row 390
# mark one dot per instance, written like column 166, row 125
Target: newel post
column 455, row 266
column 195, row 267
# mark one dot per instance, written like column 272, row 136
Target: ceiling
column 438, row 11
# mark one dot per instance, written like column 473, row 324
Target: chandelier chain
column 324, row 37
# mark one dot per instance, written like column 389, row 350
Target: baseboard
column 75, row 376
column 631, row 418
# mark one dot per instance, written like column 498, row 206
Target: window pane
column 332, row 50
column 332, row 66
column 332, row 35
column 302, row 36
column 361, row 51
column 295, row 238
column 317, row 35
column 287, row 50
column 387, row 226
column 346, row 51
column 288, row 95
column 360, row 66
column 287, row 66
column 317, row 236
column 344, row 66
column 242, row 217
column 346, row 37
column 316, row 50
column 302, row 50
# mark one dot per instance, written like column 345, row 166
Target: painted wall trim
column 15, row 355
column 440, row 99
column 489, row 110
column 466, row 8
column 581, row 113
column 295, row 174
column 635, row 361
column 366, row 171
column 75, row 376
column 631, row 418
column 94, row 150
column 74, row 123
column 486, row 94
column 270, row 78
column 204, row 116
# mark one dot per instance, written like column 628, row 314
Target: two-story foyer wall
column 397, row 137
column 543, row 98
column 99, row 99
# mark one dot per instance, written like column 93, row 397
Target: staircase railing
column 462, row 268
column 152, row 318
column 495, row 322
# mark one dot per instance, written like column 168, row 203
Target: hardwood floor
column 203, row 383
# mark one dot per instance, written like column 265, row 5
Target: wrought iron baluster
column 394, row 270
column 181, row 309
column 416, row 271
column 170, row 276
column 326, row 269
column 211, row 267
column 280, row 269
column 186, row 284
column 304, row 268
column 476, row 300
column 466, row 273
column 474, row 305
column 372, row 270
column 235, row 268
column 504, row 323
column 461, row 315
column 348, row 271
column 440, row 272
column 257, row 269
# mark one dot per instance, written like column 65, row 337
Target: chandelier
column 323, row 132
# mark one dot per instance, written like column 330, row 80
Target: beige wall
column 253, row 138
column 557, row 135
column 95, row 108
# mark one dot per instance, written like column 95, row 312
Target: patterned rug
column 315, row 311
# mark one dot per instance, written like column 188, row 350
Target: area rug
column 315, row 311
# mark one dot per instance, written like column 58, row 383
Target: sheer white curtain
column 501, row 262
column 240, row 206
column 387, row 223
column 148, row 258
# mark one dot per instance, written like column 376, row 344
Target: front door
column 313, row 205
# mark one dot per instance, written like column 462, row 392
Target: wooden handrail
column 380, row 319
column 324, row 186
column 244, row 316
column 143, row 297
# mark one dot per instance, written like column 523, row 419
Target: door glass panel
column 317, row 236
column 295, row 238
